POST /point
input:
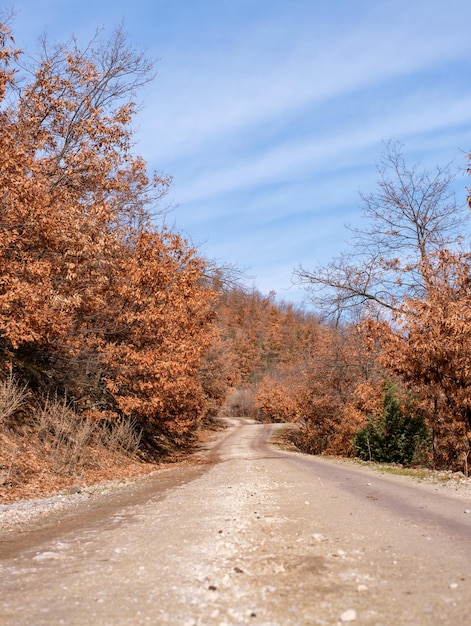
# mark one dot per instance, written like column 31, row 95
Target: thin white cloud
column 260, row 78
column 293, row 161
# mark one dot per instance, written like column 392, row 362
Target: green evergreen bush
column 395, row 436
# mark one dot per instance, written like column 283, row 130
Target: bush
column 396, row 436
column 241, row 403
column 12, row 397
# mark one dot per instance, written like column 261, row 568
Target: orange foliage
column 101, row 306
column 161, row 333
column 261, row 332
column 335, row 379
column 431, row 352
column 95, row 301
column 328, row 384
column 277, row 400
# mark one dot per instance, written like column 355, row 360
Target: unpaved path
column 255, row 536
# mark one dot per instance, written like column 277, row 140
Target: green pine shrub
column 396, row 436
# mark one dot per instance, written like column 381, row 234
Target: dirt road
column 255, row 536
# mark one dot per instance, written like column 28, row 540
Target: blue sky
column 271, row 115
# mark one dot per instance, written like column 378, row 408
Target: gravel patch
column 21, row 515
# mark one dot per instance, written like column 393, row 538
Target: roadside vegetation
column 119, row 342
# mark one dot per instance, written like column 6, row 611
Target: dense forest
column 119, row 341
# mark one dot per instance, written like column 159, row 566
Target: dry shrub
column 64, row 434
column 12, row 397
column 241, row 403
column 70, row 438
column 121, row 435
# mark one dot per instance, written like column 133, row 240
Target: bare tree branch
column 413, row 214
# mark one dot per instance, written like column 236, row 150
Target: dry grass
column 46, row 449
column 12, row 398
column 70, row 438
column 65, row 436
column 123, row 434
column 420, row 473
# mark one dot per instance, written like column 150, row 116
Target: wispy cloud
column 271, row 115
column 265, row 73
column 318, row 154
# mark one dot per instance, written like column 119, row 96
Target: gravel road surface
column 249, row 534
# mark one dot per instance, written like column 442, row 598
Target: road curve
column 249, row 535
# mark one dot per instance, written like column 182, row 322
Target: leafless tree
column 413, row 214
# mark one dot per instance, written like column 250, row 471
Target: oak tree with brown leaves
column 96, row 301
column 430, row 349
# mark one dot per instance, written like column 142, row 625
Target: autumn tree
column 341, row 384
column 243, row 316
column 430, row 350
column 413, row 214
column 153, row 354
column 71, row 188
column 405, row 284
column 96, row 301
